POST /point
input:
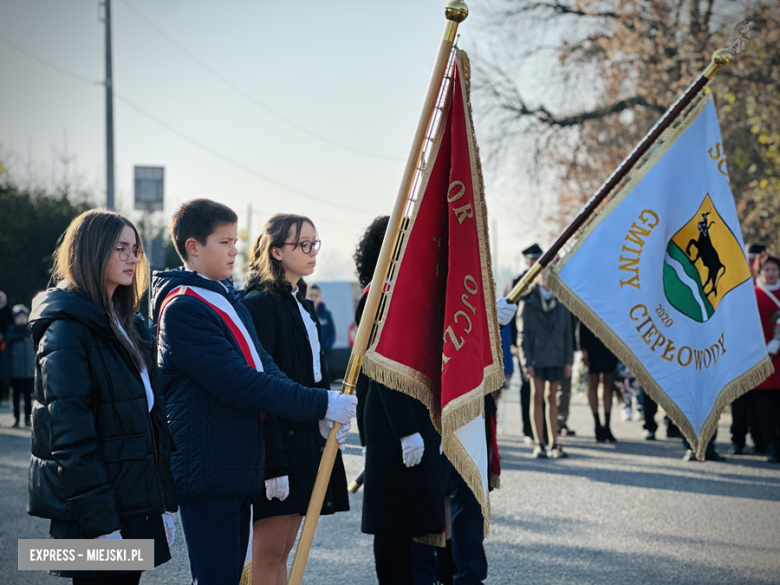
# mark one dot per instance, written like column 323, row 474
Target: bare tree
column 612, row 67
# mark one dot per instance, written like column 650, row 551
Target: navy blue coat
column 214, row 398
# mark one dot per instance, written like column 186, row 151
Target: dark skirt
column 549, row 374
column 600, row 359
column 303, row 446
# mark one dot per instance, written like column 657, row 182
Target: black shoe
column 689, row 455
column 713, row 456
column 27, row 422
column 738, row 450
column 16, row 424
column 649, row 435
column 565, row 431
column 557, row 452
column 672, row 432
column 600, row 434
column 608, row 436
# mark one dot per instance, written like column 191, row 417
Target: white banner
column 661, row 276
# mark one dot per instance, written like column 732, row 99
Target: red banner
column 439, row 339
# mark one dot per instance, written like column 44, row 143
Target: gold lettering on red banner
column 453, row 198
column 450, row 337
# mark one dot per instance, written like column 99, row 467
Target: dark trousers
column 467, row 527
column 768, row 410
column 217, row 535
column 22, row 387
column 125, row 579
column 650, row 408
column 393, row 559
column 744, row 418
column 525, row 405
column 424, row 564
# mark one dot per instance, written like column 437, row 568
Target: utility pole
column 109, row 111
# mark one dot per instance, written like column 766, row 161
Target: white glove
column 341, row 407
column 170, row 527
column 413, row 449
column 115, row 535
column 505, row 311
column 277, row 487
column 772, row 347
column 341, row 434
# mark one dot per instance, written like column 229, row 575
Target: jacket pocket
column 131, row 472
column 46, row 495
column 124, row 449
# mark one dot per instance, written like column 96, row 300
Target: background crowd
column 208, row 456
column 542, row 340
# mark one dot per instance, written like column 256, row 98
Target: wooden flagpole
column 720, row 59
column 456, row 12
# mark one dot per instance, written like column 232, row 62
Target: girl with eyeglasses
column 288, row 329
column 100, row 465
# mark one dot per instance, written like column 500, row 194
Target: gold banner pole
column 455, row 12
column 720, row 59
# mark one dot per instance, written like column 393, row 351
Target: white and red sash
column 222, row 307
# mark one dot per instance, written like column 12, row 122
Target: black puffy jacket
column 100, row 459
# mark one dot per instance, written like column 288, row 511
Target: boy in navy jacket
column 216, row 391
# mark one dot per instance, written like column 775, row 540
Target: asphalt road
column 626, row 513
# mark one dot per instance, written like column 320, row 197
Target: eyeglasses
column 306, row 245
column 124, row 252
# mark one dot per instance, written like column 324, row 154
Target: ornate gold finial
column 720, row 59
column 740, row 36
column 456, row 11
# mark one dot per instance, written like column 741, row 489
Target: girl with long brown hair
column 100, row 465
column 288, row 329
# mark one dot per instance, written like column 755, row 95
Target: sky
column 296, row 107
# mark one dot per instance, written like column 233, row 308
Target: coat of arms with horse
column 704, row 261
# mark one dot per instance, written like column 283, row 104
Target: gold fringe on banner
column 400, row 377
column 246, row 574
column 464, row 464
column 404, row 379
column 733, row 389
column 467, row 407
column 493, row 377
column 437, row 539
column 616, row 345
